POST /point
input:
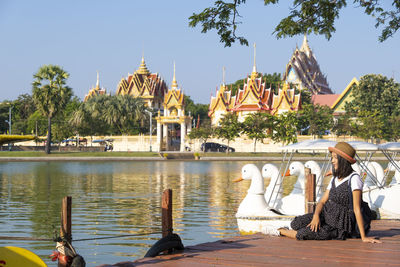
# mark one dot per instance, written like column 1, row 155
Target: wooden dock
column 263, row 250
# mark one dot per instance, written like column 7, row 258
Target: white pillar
column 189, row 128
column 183, row 134
column 159, row 132
column 165, row 134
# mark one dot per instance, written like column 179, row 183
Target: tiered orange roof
column 254, row 96
column 286, row 100
column 223, row 100
column 143, row 84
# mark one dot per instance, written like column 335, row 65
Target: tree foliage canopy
column 306, row 16
column 255, row 126
column 50, row 93
column 229, row 128
column 376, row 104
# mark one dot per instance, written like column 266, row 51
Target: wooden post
column 66, row 229
column 166, row 205
column 310, row 191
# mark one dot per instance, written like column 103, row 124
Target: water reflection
column 114, row 198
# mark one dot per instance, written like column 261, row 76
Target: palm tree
column 50, row 94
column 125, row 112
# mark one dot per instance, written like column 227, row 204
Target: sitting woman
column 333, row 219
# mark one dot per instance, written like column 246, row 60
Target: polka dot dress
column 335, row 217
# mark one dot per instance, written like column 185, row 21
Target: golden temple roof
column 143, row 84
column 174, row 96
column 286, row 100
column 143, row 68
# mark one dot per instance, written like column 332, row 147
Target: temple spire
column 254, row 72
column 97, row 83
column 143, row 69
column 223, row 75
column 305, row 47
column 174, row 83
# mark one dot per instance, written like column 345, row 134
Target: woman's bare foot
column 286, row 232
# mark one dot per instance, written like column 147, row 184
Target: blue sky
column 110, row 37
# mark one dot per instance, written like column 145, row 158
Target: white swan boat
column 253, row 213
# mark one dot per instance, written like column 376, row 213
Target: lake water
column 118, row 198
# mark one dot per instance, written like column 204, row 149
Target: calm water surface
column 117, row 198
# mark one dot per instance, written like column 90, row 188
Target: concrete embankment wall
column 143, row 143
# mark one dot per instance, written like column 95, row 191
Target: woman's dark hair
column 344, row 168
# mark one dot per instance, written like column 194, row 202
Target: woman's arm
column 359, row 218
column 315, row 223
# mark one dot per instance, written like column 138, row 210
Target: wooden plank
column 312, row 252
column 262, row 250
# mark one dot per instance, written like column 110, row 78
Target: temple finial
column 174, row 78
column 143, row 68
column 254, row 72
column 223, row 75
column 254, row 64
column 174, row 83
column 305, row 47
column 98, row 82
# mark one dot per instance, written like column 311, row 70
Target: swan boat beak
column 238, row 180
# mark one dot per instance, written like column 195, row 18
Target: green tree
column 196, row 110
column 4, row 115
column 23, row 107
column 255, row 126
column 394, row 123
column 369, row 125
column 125, row 112
column 229, row 128
column 377, row 96
column 61, row 123
column 84, row 123
column 284, row 128
column 50, row 94
column 306, row 16
column 37, row 124
column 89, row 117
column 203, row 133
column 316, row 119
column 343, row 126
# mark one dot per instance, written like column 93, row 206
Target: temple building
column 304, row 73
column 95, row 91
column 173, row 113
column 220, row 104
column 346, row 96
column 252, row 98
column 149, row 86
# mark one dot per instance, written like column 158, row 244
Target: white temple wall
column 141, row 143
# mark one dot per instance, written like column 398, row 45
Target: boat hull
column 252, row 225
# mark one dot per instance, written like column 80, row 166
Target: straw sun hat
column 345, row 150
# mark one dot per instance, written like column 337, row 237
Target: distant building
column 346, row 96
column 303, row 71
column 252, row 98
column 149, row 86
column 174, row 113
column 336, row 102
column 95, row 91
